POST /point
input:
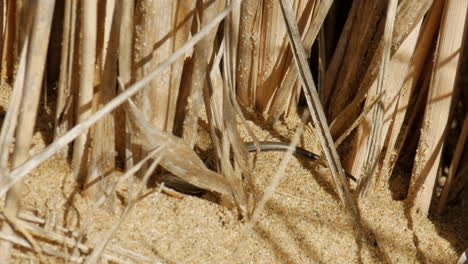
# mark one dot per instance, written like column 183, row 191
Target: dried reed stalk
column 318, row 116
column 66, row 85
column 126, row 40
column 102, row 138
column 322, row 62
column 231, row 42
column 126, row 73
column 410, row 14
column 316, row 111
column 415, row 69
column 228, row 51
column 12, row 115
column 368, row 155
column 339, row 53
column 42, row 11
column 246, row 77
column 125, row 60
column 6, row 137
column 86, row 87
column 438, row 106
column 397, row 75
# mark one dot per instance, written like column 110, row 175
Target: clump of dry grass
column 135, row 78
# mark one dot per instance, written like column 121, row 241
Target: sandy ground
column 304, row 222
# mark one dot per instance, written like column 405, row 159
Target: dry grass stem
column 126, row 41
column 86, row 87
column 64, row 109
column 374, row 137
column 12, row 115
column 36, row 58
column 436, row 116
column 266, row 79
column 103, row 139
column 398, row 132
column 8, row 42
column 316, row 110
column 462, row 181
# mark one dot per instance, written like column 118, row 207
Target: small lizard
column 180, row 185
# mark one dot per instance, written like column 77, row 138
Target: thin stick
column 316, row 109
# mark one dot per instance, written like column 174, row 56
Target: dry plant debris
column 101, row 99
